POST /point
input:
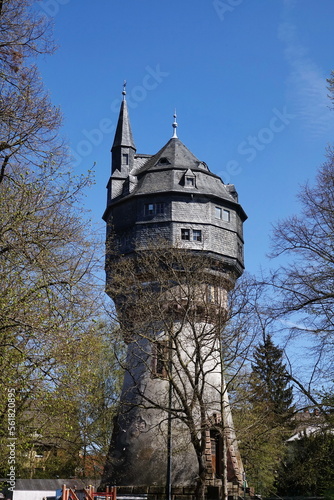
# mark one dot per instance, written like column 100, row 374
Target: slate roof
column 173, row 155
column 165, row 171
column 123, row 134
column 139, row 161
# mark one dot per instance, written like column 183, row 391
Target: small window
column 190, row 181
column 160, row 208
column 125, row 159
column 218, row 212
column 240, row 251
column 185, row 234
column 164, row 161
column 160, row 357
column 149, row 209
column 212, row 294
column 226, row 215
column 223, row 214
column 154, row 208
column 197, row 235
column 216, row 453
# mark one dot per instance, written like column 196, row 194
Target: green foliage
column 260, row 439
column 270, row 379
column 262, row 411
column 54, row 348
column 308, row 468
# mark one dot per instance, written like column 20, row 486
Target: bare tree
column 305, row 286
column 29, row 122
column 174, row 311
column 51, row 296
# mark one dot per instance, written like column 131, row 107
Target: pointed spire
column 123, row 134
column 174, row 126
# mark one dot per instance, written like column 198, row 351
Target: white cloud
column 307, row 86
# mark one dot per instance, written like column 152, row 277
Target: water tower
column 170, row 197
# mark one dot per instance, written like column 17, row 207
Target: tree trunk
column 202, row 470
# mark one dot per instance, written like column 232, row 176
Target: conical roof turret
column 123, row 134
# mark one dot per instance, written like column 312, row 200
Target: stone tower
column 171, row 197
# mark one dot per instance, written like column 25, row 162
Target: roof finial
column 174, row 126
column 124, row 91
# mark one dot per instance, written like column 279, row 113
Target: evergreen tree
column 259, row 438
column 270, row 379
column 309, row 466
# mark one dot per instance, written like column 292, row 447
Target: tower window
column 149, row 209
column 160, row 356
column 197, row 235
column 160, row 208
column 212, row 294
column 190, row 181
column 125, row 159
column 218, row 212
column 240, row 252
column 185, row 234
column 222, row 214
column 226, row 215
column 154, row 208
column 216, row 453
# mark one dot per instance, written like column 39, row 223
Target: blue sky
column 247, row 78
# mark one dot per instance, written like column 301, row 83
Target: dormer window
column 164, row 161
column 189, row 179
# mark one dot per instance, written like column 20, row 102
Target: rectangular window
column 154, row 208
column 212, row 294
column 160, row 208
column 218, row 212
column 226, row 215
column 185, row 234
column 125, row 159
column 160, row 358
column 197, row 235
column 216, row 453
column 149, row 209
column 222, row 214
column 190, row 181
column 240, row 251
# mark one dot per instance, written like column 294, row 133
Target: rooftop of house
column 53, row 484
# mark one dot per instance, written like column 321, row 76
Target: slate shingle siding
column 162, row 179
